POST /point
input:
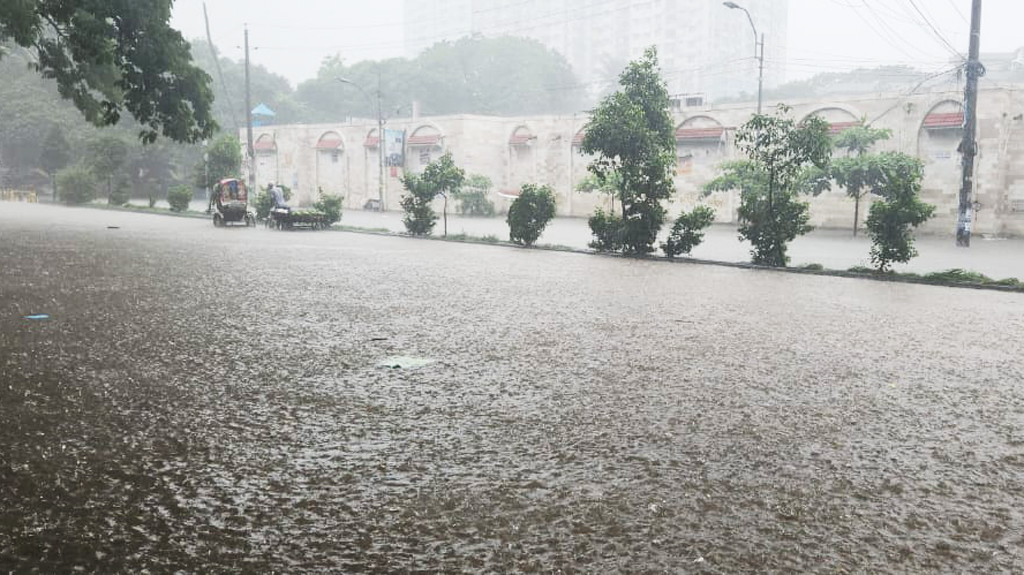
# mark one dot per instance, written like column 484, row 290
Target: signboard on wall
column 394, row 147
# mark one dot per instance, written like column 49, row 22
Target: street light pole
column 760, row 76
column 380, row 135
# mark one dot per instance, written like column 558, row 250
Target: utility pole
column 760, row 77
column 251, row 158
column 381, row 185
column 969, row 145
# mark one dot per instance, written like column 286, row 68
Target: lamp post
column 380, row 136
column 760, row 77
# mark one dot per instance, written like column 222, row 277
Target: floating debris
column 37, row 316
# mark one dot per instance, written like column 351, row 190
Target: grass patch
column 959, row 276
column 812, row 267
column 345, row 228
column 860, row 270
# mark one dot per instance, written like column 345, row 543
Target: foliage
column 56, row 152
column 120, row 192
column 610, row 185
column 473, row 197
column 607, row 230
column 77, row 184
column 179, row 197
column 223, row 160
column 263, row 202
column 474, row 75
column 530, row 213
column 858, row 172
column 440, row 178
column 632, row 134
column 688, row 231
column 780, row 153
column 891, row 221
column 107, row 154
column 330, row 206
column 111, row 57
column 419, row 217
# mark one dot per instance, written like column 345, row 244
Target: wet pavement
column 207, row 400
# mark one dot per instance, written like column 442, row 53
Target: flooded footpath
column 199, row 400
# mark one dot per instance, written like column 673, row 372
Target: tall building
column 704, row 46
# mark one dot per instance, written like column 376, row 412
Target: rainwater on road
column 205, row 400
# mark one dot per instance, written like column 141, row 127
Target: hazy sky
column 292, row 38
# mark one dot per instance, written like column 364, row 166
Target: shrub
column 77, row 185
column 688, row 231
column 330, row 205
column 179, row 197
column 419, row 217
column 263, row 201
column 120, row 193
column 891, row 221
column 530, row 213
column 475, row 204
column 608, row 231
column 473, row 197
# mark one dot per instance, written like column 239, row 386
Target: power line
column 935, row 30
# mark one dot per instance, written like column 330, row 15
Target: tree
column 107, row 154
column 444, row 178
column 223, row 160
column 610, row 186
column 855, row 171
column 896, row 178
column 419, row 217
column 688, row 231
column 113, row 56
column 530, row 213
column 633, row 136
column 477, row 75
column 782, row 160
column 56, row 155
column 472, row 196
column 441, row 178
column 77, row 184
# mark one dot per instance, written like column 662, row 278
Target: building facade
column 705, row 48
column 344, row 158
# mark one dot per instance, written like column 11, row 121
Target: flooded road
column 206, row 400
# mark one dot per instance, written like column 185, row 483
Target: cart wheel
column 218, row 221
column 249, row 221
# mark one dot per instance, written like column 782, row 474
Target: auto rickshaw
column 230, row 204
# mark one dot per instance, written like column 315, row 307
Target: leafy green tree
column 855, row 171
column 688, row 231
column 107, row 155
column 111, row 56
column 896, row 178
column 77, row 184
column 440, row 178
column 56, row 155
column 478, row 75
column 223, row 160
column 632, row 134
column 179, row 197
column 608, row 231
column 609, row 186
column 472, row 197
column 330, row 205
column 780, row 154
column 530, row 213
column 419, row 217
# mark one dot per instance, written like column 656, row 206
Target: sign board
column 394, row 147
